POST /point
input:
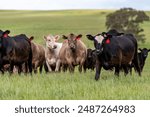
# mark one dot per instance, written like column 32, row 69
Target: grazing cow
column 73, row 52
column 142, row 55
column 115, row 51
column 90, row 61
column 15, row 50
column 52, row 52
column 38, row 58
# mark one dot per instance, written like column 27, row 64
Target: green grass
column 65, row 85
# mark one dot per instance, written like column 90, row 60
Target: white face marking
column 50, row 41
column 99, row 38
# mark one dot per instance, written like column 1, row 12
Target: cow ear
column 64, row 37
column 31, row 38
column 149, row 50
column 104, row 34
column 79, row 36
column 140, row 49
column 7, row 31
column 5, row 34
column 45, row 38
column 90, row 37
column 57, row 37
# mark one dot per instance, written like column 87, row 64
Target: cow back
column 120, row 49
column 16, row 48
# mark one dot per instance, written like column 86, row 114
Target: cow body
column 15, row 51
column 90, row 61
column 52, row 53
column 73, row 52
column 115, row 51
column 142, row 55
column 38, row 58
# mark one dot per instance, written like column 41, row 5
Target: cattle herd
column 113, row 51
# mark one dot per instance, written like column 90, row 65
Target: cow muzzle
column 98, row 51
column 54, row 47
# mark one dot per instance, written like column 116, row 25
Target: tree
column 127, row 20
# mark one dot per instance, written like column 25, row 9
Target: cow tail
column 136, row 60
column 30, row 59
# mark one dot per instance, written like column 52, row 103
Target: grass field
column 65, row 85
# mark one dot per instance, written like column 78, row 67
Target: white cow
column 52, row 52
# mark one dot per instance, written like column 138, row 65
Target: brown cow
column 38, row 58
column 73, row 52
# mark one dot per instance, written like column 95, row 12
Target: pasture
column 67, row 86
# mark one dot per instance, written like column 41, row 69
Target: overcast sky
column 73, row 4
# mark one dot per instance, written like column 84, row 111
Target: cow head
column 51, row 41
column 5, row 34
column 72, row 40
column 98, row 41
column 144, row 52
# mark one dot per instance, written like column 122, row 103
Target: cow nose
column 90, row 56
column 97, row 51
column 55, row 46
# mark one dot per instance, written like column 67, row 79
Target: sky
column 73, row 4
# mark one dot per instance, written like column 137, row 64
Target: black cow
column 15, row 50
column 142, row 55
column 115, row 51
column 90, row 61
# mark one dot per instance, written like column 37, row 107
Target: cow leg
column 35, row 67
column 64, row 67
column 125, row 68
column 117, row 70
column 57, row 66
column 1, row 65
column 41, row 67
column 11, row 67
column 19, row 69
column 130, row 69
column 2, row 69
column 84, row 67
column 35, row 70
column 26, row 67
column 71, row 68
column 98, row 70
column 49, row 67
column 80, row 68
column 45, row 67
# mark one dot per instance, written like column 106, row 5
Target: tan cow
column 38, row 58
column 73, row 52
